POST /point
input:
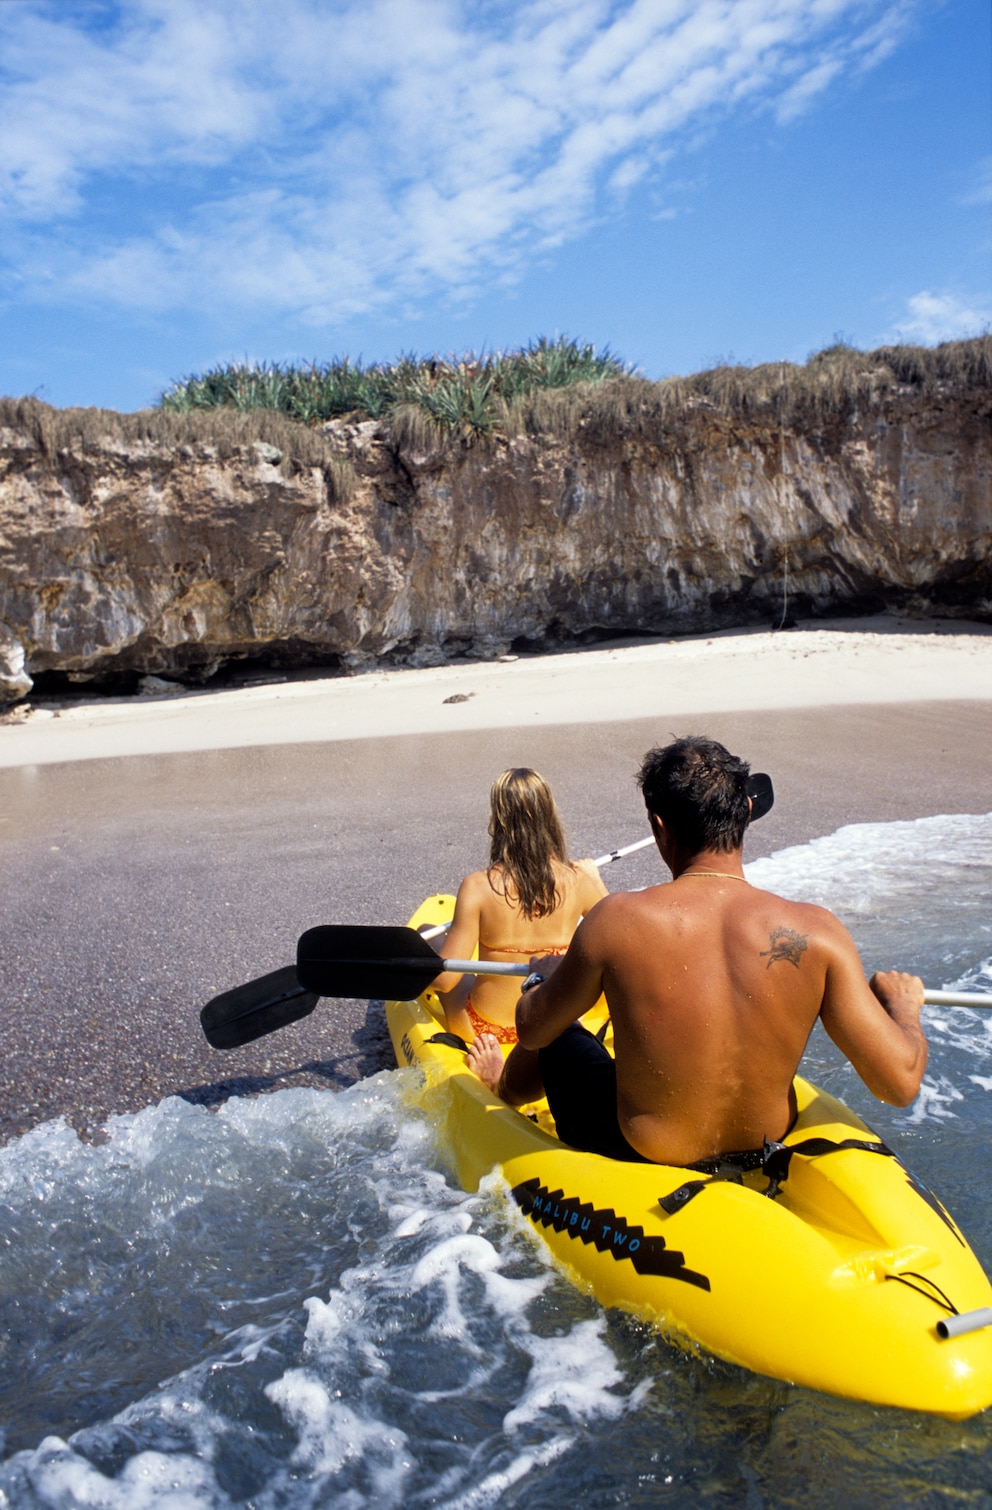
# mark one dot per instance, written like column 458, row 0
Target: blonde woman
column 527, row 903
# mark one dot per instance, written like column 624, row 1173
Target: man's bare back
column 713, row 988
column 711, row 1010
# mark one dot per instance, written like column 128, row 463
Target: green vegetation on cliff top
column 551, row 390
column 550, row 387
column 470, row 393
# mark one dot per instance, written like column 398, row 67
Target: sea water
column 289, row 1302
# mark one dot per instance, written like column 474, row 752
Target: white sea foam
column 440, row 1347
column 913, row 878
column 573, row 1373
column 287, row 1303
column 59, row 1477
column 915, row 895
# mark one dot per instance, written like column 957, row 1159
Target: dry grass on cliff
column 469, row 408
column 836, row 381
column 225, row 432
column 831, row 387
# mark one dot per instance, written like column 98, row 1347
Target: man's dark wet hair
column 699, row 791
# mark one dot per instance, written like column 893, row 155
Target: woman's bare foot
column 485, row 1059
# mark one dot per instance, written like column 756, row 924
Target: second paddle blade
column 262, row 1006
column 762, row 795
column 348, row 960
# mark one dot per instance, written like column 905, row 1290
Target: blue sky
column 188, row 182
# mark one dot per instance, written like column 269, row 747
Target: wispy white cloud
column 330, row 156
column 812, row 83
column 944, row 317
column 853, row 51
column 980, row 189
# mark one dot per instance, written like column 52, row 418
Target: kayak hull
column 837, row 1283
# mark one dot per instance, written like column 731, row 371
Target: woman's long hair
column 526, row 838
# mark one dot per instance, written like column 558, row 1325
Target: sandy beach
column 832, row 664
column 157, row 851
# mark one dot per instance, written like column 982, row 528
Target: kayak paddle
column 347, row 960
column 398, row 963
column 247, row 1012
column 275, row 1000
column 368, row 963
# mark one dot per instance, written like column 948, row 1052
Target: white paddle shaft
column 497, row 967
column 485, row 967
column 958, row 999
column 618, row 854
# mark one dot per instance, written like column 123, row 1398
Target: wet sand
column 136, row 886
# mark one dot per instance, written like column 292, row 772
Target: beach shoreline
column 847, row 662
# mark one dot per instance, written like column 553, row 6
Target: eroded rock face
column 162, row 559
column 14, row 680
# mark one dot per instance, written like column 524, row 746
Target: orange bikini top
column 530, row 949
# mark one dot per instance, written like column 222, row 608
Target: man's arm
column 573, row 985
column 875, row 1024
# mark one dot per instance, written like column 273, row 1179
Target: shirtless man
column 713, row 987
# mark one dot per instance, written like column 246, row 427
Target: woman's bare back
column 489, row 918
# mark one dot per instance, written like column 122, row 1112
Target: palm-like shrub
column 458, row 395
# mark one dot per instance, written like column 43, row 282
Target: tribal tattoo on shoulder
column 786, row 944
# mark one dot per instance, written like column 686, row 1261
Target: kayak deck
column 838, row 1282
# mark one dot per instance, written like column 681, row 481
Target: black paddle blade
column 249, row 1012
column 347, row 960
column 759, row 789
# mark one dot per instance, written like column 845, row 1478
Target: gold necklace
column 723, row 874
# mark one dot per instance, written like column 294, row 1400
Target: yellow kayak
column 852, row 1278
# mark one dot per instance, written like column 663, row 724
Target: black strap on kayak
column 906, row 1277
column 773, row 1160
column 450, row 1041
column 778, row 1156
column 685, row 1193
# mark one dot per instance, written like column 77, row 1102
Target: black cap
column 759, row 789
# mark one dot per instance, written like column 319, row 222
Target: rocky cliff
column 174, row 544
